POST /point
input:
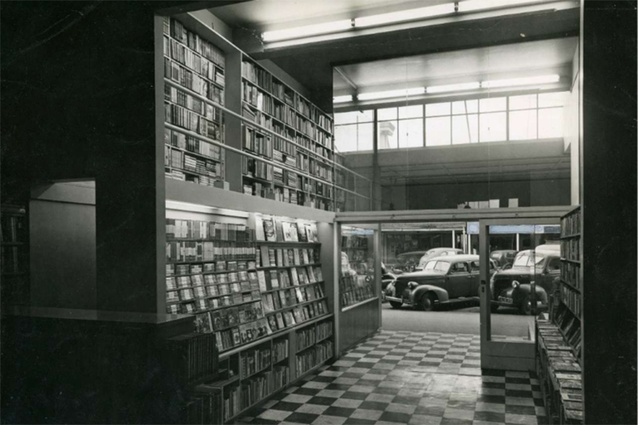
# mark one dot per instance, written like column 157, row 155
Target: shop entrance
column 377, row 248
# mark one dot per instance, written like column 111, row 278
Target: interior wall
column 544, row 192
column 62, row 246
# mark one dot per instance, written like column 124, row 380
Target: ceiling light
column 310, row 30
column 392, row 93
column 478, row 5
column 341, row 99
column 404, row 15
column 453, row 87
column 526, row 81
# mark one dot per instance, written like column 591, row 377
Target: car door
column 550, row 272
column 475, row 269
column 459, row 279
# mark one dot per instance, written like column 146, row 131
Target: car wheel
column 427, row 301
column 526, row 306
column 396, row 304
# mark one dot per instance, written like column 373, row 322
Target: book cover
column 274, row 280
column 294, row 277
column 260, row 235
column 282, row 298
column 302, row 236
column 236, row 337
column 289, row 318
column 280, row 320
column 280, row 257
column 269, row 229
column 272, row 322
column 311, row 232
column 261, row 277
column 265, row 256
column 288, row 231
column 278, row 229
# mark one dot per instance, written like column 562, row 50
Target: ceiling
column 499, row 44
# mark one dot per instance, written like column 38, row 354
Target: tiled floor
column 408, row 378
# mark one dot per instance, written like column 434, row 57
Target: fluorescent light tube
column 453, row 87
column 404, row 15
column 341, row 99
column 307, row 31
column 478, row 5
column 525, row 81
column 391, row 93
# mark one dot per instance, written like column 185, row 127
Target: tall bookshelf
column 559, row 337
column 231, row 123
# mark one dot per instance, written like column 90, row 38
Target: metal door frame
column 503, row 355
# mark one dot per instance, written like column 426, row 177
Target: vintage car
column 533, row 275
column 503, row 257
column 442, row 280
column 406, row 261
column 436, row 252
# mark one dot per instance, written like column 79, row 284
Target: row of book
column 285, row 319
column 182, row 161
column 255, row 168
column 217, row 266
column 180, row 251
column 191, row 176
column 570, row 224
column 268, row 83
column 570, row 274
column 189, row 120
column 199, row 65
column 287, row 278
column 273, row 229
column 192, row 357
column 181, row 98
column 570, row 249
column 254, row 361
column 211, row 230
column 176, row 139
column 280, row 348
column 193, row 41
column 571, row 299
column 306, row 338
column 308, row 359
column 216, row 284
column 269, row 256
column 355, row 289
column 570, row 327
column 256, row 142
column 283, row 298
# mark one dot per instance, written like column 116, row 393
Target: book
column 260, row 234
column 272, row 322
column 311, row 232
column 280, row 320
column 269, row 229
column 302, row 236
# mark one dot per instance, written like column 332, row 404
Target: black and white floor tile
column 408, row 378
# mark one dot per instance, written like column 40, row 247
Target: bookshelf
column 559, row 337
column 231, row 123
column 356, row 281
column 14, row 238
column 255, row 281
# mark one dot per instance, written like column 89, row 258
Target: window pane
column 365, row 137
column 490, row 105
column 550, row 123
column 493, row 127
column 523, row 125
column 346, row 137
column 387, row 114
column 464, row 129
column 552, row 99
column 527, row 101
column 410, row 133
column 415, row 111
column 437, row 109
column 387, row 134
column 353, row 117
column 437, row 131
column 465, row 107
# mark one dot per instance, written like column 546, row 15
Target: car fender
column 527, row 289
column 441, row 293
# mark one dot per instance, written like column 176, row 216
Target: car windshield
column 437, row 265
column 528, row 260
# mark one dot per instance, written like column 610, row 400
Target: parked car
column 407, row 261
column 442, row 280
column 513, row 287
column 503, row 257
column 436, row 252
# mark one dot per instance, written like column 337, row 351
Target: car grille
column 502, row 283
column 400, row 285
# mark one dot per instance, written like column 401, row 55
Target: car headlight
column 515, row 284
column 412, row 285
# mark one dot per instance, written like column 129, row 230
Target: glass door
column 516, row 285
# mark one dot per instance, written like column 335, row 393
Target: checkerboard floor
column 408, row 378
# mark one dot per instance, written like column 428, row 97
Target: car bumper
column 397, row 300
